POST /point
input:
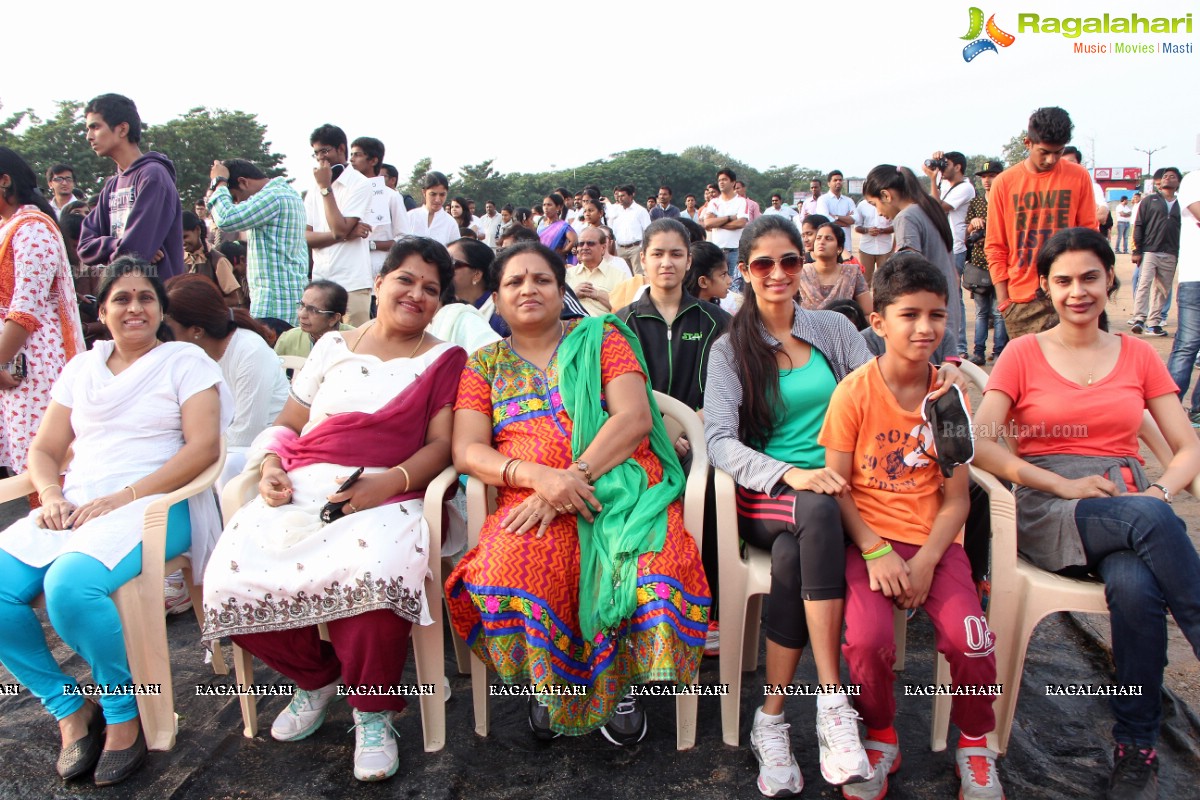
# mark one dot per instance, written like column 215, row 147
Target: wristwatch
column 215, row 182
column 371, row 244
column 325, row 192
column 586, row 469
column 1163, row 489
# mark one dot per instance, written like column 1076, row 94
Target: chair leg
column 462, row 653
column 1009, row 674
column 940, row 727
column 685, row 721
column 429, row 653
column 479, row 695
column 733, row 622
column 753, row 625
column 243, row 668
column 214, row 647
column 900, row 634
column 140, row 605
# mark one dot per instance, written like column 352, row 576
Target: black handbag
column 953, row 438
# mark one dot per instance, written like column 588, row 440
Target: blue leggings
column 77, row 589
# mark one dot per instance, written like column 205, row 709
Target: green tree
column 60, row 139
column 200, row 136
column 976, row 163
column 479, row 182
column 413, row 187
column 1015, row 151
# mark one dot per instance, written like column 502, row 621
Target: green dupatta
column 634, row 518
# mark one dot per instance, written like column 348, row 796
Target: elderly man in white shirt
column 596, row 274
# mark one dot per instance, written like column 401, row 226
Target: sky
column 537, row 86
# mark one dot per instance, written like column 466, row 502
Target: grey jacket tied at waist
column 1046, row 532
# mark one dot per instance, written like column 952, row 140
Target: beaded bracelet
column 880, row 553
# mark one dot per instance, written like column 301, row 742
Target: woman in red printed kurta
column 37, row 305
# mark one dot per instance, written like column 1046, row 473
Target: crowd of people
column 524, row 348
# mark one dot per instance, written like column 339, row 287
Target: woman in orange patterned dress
column 584, row 579
column 37, row 305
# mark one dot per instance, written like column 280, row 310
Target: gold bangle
column 407, row 480
column 46, row 488
column 132, row 490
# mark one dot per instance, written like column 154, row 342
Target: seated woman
column 467, row 320
column 376, row 397
column 238, row 344
column 769, row 385
column 827, row 278
column 1084, row 503
column 582, row 577
column 143, row 417
column 322, row 308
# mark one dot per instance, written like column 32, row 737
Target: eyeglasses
column 589, row 244
column 322, row 152
column 301, row 306
column 62, row 179
column 791, row 264
column 458, row 263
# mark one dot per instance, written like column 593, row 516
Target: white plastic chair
column 481, row 501
column 428, row 645
column 140, row 605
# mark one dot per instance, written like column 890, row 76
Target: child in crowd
column 905, row 522
column 708, row 276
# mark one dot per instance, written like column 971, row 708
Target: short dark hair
column 552, row 259
column 372, row 148
column 191, row 222
column 1178, row 174
column 519, row 233
column 336, row 296
column 956, row 158
column 1158, row 173
column 434, row 178
column 777, row 194
column 391, row 171
column 668, row 188
column 115, row 109
column 837, row 172
column 906, row 273
column 234, row 251
column 58, row 169
column 695, row 231
column 689, row 194
column 240, row 168
column 628, row 188
column 1050, row 125
column 1072, row 150
column 329, row 135
column 727, row 172
column 430, row 251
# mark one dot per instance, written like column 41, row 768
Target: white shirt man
column 347, row 261
column 867, row 218
column 838, row 208
column 491, row 222
column 595, row 276
column 809, row 206
column 779, row 207
column 628, row 220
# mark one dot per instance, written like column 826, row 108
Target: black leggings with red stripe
column 803, row 531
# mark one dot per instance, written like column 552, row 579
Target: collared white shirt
column 443, row 229
column 346, row 263
column 720, row 207
column 491, row 227
column 865, row 216
column 388, row 219
column 958, row 197
column 628, row 224
column 838, row 206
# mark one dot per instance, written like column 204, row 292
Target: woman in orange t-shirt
column 1074, row 395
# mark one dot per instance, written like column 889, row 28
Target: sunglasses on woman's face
column 763, row 266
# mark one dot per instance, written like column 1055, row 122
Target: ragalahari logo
column 995, row 36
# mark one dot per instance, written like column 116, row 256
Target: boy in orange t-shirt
column 905, row 522
column 1030, row 202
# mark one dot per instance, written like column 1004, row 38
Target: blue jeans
column 1122, row 237
column 77, row 589
column 1187, row 340
column 731, row 261
column 986, row 306
column 1141, row 551
column 956, row 296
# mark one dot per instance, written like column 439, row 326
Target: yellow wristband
column 407, row 480
column 47, row 488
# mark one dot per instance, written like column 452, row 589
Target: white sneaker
column 176, row 597
column 376, row 755
column 304, row 714
column 976, row 768
column 885, row 760
column 843, row 759
column 778, row 773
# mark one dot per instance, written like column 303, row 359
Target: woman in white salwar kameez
column 143, row 418
column 379, row 398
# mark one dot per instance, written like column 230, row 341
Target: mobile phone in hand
column 333, row 511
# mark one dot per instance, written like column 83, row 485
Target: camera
column 975, row 237
column 937, row 163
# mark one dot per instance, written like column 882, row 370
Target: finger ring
column 534, row 517
column 570, row 508
column 352, row 507
column 560, row 509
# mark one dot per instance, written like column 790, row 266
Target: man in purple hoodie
column 139, row 212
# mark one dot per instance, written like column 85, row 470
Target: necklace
column 420, row 342
column 1072, row 350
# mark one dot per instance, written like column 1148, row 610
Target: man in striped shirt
column 242, row 198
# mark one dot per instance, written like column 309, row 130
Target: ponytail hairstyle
column 706, row 257
column 756, row 366
column 194, row 300
column 23, row 188
column 1075, row 240
column 902, row 182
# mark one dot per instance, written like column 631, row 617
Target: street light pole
column 1149, row 151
